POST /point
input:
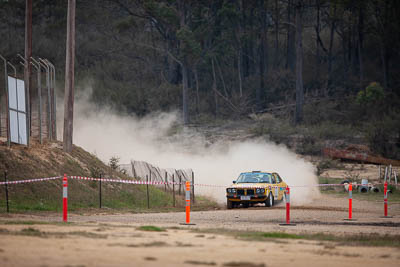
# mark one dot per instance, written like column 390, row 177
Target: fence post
column 165, row 181
column 180, row 184
column 6, row 187
column 173, row 188
column 100, row 192
column 193, row 187
column 147, row 189
column 65, row 198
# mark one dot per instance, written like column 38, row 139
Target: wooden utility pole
column 69, row 78
column 28, row 65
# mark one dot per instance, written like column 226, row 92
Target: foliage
column 372, row 94
column 113, row 163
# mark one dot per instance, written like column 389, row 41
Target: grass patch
column 266, row 235
column 368, row 240
column 151, row 228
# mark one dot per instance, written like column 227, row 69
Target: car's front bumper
column 254, row 198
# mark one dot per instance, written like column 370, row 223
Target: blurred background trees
column 228, row 58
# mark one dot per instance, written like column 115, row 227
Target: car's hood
column 249, row 185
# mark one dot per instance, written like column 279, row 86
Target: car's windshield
column 254, row 178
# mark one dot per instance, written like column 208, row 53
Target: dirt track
column 104, row 239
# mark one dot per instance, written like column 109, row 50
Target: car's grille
column 240, row 192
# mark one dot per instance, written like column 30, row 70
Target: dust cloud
column 102, row 131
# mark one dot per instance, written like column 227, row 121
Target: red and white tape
column 122, row 181
column 31, row 180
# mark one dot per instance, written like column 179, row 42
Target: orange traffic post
column 65, row 198
column 385, row 201
column 287, row 200
column 350, row 203
column 187, row 198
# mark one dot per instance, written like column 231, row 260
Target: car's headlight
column 233, row 190
column 228, row 190
column 260, row 190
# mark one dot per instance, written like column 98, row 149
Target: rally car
column 255, row 187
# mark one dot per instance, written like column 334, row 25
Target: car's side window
column 278, row 178
column 273, row 179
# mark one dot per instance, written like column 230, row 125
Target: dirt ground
column 96, row 238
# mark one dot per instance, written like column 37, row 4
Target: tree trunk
column 196, row 78
column 299, row 64
column 360, row 44
column 262, row 61
column 69, row 78
column 184, row 66
column 383, row 66
column 290, row 55
column 317, row 31
column 214, row 86
column 240, row 72
column 185, row 92
column 331, row 39
column 276, row 59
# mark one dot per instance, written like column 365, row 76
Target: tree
column 299, row 62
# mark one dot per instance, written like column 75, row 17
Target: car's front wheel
column 269, row 202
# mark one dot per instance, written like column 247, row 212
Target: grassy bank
column 48, row 160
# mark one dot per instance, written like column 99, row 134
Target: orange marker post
column 287, row 199
column 65, row 198
column 187, row 198
column 287, row 205
column 350, row 204
column 385, row 201
column 188, row 202
column 350, row 201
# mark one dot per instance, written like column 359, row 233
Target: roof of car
column 256, row 172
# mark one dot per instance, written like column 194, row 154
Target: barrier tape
column 31, row 180
column 123, row 181
column 161, row 183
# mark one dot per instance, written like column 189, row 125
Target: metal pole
column 47, row 69
column 54, row 100
column 193, row 199
column 27, row 99
column 7, row 101
column 39, row 81
column 165, row 181
column 180, row 183
column 6, row 187
column 173, row 188
column 100, row 192
column 147, row 189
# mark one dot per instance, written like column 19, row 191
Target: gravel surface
column 325, row 215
